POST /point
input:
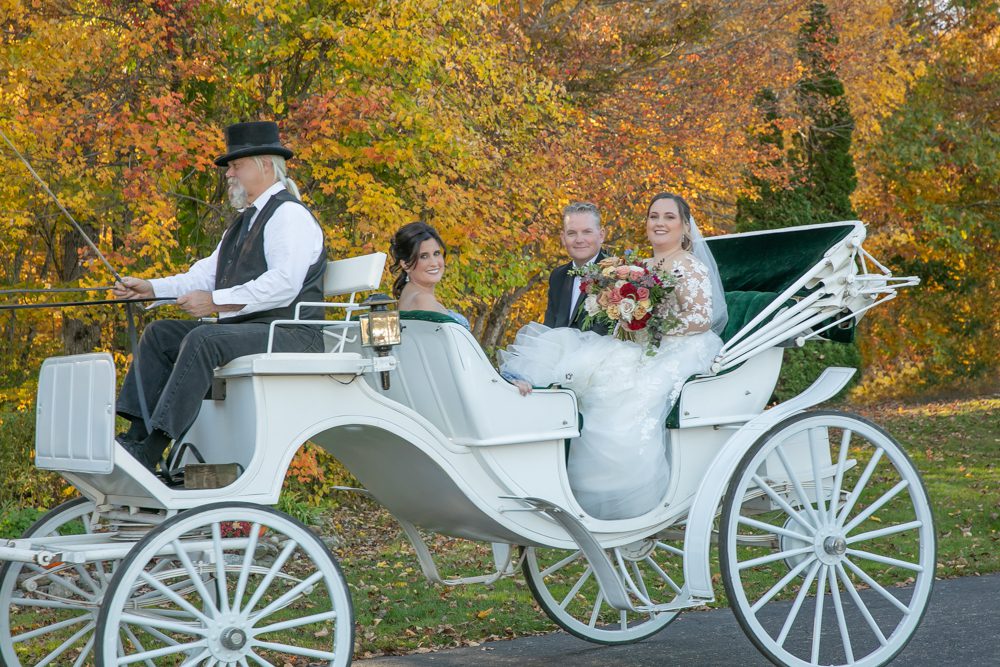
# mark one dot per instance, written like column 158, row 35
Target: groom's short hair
column 582, row 207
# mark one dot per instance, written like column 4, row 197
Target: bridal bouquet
column 629, row 298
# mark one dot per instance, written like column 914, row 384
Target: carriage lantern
column 380, row 328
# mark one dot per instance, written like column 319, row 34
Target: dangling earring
column 406, row 277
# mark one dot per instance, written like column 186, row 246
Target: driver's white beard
column 237, row 194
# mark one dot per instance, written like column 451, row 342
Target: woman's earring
column 406, row 277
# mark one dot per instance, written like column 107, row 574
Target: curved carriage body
column 451, row 447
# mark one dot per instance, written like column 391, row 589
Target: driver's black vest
column 248, row 262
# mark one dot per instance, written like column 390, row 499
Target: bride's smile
column 664, row 228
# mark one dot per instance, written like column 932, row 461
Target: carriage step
column 611, row 585
column 210, row 475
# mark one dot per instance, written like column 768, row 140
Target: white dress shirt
column 575, row 296
column 293, row 242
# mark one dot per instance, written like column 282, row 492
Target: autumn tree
column 936, row 201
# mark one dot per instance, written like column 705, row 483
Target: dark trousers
column 177, row 359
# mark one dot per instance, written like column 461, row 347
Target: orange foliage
column 481, row 118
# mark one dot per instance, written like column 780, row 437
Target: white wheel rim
column 879, row 535
column 275, row 597
column 62, row 608
column 565, row 588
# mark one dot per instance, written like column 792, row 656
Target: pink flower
column 614, row 296
column 642, row 293
column 622, row 271
column 635, row 274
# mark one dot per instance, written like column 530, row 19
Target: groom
column 582, row 237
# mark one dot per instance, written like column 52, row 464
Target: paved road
column 961, row 627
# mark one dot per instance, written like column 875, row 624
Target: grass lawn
column 953, row 444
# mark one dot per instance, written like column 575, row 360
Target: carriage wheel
column 847, row 573
column 564, row 586
column 47, row 615
column 276, row 595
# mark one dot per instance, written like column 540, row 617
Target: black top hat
column 256, row 138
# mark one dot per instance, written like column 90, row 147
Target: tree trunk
column 79, row 336
column 496, row 318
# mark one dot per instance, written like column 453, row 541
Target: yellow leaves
column 484, row 613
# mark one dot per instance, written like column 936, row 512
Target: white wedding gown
column 618, row 466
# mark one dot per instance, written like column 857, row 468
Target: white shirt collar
column 589, row 261
column 259, row 202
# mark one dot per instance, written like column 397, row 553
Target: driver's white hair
column 280, row 172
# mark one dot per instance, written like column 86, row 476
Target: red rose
column 635, row 325
column 584, row 284
column 627, row 290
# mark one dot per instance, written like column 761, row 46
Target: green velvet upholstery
column 743, row 307
column 755, row 266
column 427, row 316
column 772, row 261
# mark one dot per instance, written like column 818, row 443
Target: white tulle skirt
column 618, row 466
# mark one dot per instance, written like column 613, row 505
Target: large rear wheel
column 827, row 543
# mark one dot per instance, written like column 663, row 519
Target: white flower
column 590, row 304
column 626, row 308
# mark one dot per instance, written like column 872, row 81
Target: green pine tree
column 829, row 167
column 821, row 178
column 821, row 167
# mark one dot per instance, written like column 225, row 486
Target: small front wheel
column 564, row 585
column 229, row 583
column 47, row 615
column 827, row 543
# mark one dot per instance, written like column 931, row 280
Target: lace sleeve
column 692, row 297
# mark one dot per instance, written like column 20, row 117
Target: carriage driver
column 270, row 258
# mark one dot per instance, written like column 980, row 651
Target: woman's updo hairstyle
column 405, row 247
column 685, row 211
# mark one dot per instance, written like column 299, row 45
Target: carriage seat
column 443, row 374
column 733, row 399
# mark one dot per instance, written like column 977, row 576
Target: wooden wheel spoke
column 784, row 581
column 876, row 506
column 576, row 587
column 859, row 486
column 552, row 569
column 797, row 485
column 799, row 599
column 783, row 504
column 879, row 588
column 818, row 614
column 838, row 608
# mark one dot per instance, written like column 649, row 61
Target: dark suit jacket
column 560, row 297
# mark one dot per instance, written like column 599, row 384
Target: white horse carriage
column 825, row 536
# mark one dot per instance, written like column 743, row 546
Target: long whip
column 76, row 225
column 133, row 341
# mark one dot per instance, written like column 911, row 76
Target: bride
column 618, row 466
